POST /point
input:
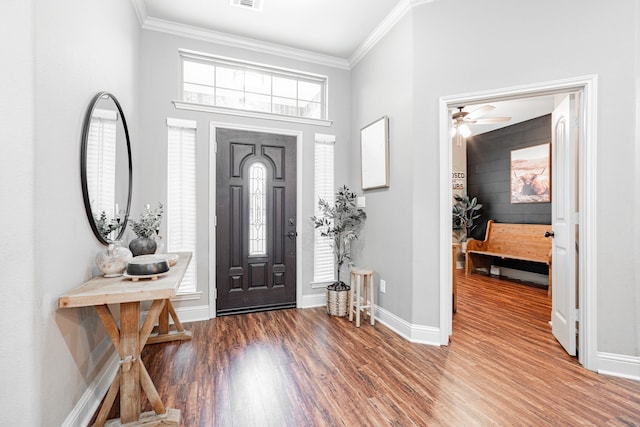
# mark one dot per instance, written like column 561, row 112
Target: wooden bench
column 524, row 242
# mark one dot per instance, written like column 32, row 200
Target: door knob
column 549, row 234
column 292, row 234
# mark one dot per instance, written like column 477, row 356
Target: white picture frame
column 374, row 154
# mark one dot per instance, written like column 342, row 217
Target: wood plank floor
column 303, row 368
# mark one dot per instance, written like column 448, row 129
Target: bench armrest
column 476, row 245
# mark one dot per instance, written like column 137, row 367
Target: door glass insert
column 257, row 209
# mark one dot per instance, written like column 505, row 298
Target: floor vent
column 247, row 4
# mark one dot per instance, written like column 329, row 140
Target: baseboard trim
column 619, row 365
column 314, row 300
column 192, row 313
column 83, row 411
column 414, row 333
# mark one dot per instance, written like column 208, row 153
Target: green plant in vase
column 464, row 215
column 341, row 222
column 146, row 230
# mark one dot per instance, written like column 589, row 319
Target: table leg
column 132, row 375
column 164, row 334
column 129, row 359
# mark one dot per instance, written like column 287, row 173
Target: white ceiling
column 329, row 27
column 519, row 110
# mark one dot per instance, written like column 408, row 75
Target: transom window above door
column 226, row 83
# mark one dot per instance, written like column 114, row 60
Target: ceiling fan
column 462, row 119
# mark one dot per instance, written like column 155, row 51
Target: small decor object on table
column 146, row 229
column 111, row 261
column 341, row 222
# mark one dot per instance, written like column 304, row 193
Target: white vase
column 113, row 260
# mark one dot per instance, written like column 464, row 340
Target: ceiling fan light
column 464, row 130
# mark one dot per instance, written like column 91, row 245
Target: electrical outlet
column 383, row 286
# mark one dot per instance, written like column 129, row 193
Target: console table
column 129, row 339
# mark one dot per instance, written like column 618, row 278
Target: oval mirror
column 105, row 167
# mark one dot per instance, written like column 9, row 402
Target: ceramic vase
column 113, row 260
column 143, row 246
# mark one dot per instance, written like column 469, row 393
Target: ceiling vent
column 248, row 4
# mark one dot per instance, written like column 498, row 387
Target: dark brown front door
column 256, row 221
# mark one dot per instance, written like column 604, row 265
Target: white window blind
column 101, row 162
column 181, row 195
column 323, row 258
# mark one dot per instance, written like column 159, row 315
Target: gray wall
column 513, row 52
column 382, row 84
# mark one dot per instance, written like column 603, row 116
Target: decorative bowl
column 145, row 265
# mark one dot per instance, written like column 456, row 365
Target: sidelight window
column 257, row 209
column 181, row 196
column 323, row 258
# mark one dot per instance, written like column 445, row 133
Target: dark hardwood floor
column 303, row 368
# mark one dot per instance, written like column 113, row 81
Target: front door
column 563, row 217
column 256, row 221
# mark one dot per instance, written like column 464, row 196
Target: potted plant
column 341, row 222
column 147, row 229
column 464, row 213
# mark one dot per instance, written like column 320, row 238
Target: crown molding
column 198, row 33
column 396, row 14
column 140, row 7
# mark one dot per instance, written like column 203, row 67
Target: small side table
column 362, row 281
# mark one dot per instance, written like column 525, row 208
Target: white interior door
column 564, row 218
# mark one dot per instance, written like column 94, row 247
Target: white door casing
column 563, row 216
column 587, row 88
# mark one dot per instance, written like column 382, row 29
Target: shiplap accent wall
column 489, row 174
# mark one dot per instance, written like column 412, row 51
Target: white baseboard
column 192, row 314
column 314, row 300
column 82, row 413
column 618, row 365
column 414, row 333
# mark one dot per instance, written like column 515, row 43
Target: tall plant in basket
column 341, row 222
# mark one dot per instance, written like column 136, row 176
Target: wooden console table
column 130, row 338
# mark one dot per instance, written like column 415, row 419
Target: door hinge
column 215, row 220
column 577, row 314
column 215, row 147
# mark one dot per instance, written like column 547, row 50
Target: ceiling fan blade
column 480, row 111
column 490, row 120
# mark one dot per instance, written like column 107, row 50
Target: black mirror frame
column 83, row 166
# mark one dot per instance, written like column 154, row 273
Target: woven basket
column 337, row 300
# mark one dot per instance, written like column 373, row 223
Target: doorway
column 586, row 88
column 254, row 203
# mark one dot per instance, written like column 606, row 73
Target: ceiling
column 329, row 27
column 519, row 110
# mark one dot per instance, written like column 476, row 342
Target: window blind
column 181, row 195
column 101, row 162
column 323, row 258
